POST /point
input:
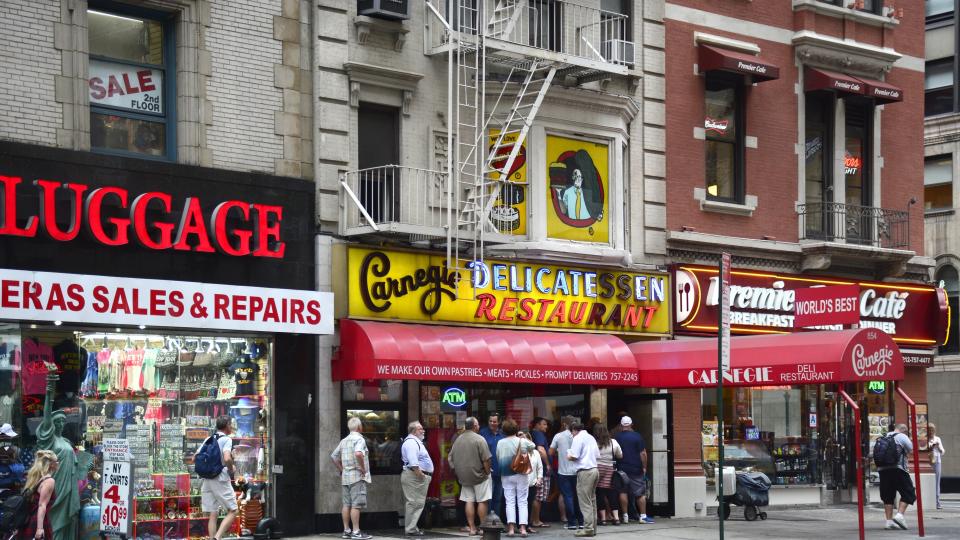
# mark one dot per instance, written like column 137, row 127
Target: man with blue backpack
column 890, row 456
column 213, row 463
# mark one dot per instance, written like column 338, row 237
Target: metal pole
column 859, row 464
column 721, row 307
column 916, row 456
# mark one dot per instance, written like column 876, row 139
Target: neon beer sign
column 234, row 227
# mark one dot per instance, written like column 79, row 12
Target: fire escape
column 502, row 58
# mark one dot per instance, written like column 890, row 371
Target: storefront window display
column 771, row 429
column 444, row 408
column 161, row 392
column 381, row 406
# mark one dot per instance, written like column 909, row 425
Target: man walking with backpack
column 890, row 455
column 213, row 462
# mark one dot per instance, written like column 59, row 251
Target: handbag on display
column 186, row 356
column 521, row 461
column 227, row 356
column 206, row 357
column 166, row 358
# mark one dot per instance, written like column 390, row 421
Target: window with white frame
column 131, row 81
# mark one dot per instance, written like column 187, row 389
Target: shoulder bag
column 521, row 461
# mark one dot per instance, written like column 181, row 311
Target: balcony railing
column 851, row 224
column 561, row 26
column 394, row 199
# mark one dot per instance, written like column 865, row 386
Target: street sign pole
column 723, row 365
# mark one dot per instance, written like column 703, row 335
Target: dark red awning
column 382, row 350
column 835, row 356
column 880, row 91
column 720, row 59
column 822, row 79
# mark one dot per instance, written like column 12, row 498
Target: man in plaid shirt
column 352, row 460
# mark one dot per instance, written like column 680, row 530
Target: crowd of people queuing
column 597, row 475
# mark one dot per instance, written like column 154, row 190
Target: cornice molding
column 843, row 55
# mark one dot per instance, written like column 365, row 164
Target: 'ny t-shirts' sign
column 134, row 88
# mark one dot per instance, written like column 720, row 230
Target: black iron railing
column 864, row 225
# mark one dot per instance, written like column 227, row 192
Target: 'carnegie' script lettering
column 376, row 294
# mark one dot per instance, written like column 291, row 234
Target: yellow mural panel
column 509, row 213
column 578, row 186
column 415, row 286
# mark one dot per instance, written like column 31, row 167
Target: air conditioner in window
column 618, row 51
column 396, row 10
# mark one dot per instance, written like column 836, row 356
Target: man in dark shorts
column 634, row 463
column 538, row 432
column 896, row 479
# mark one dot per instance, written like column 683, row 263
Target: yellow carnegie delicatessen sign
column 407, row 286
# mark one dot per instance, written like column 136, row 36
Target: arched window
column 948, row 275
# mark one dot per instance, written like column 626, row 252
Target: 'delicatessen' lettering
column 255, row 234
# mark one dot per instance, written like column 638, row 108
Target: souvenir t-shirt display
column 132, row 370
column 245, row 373
column 103, row 370
column 35, row 356
column 70, row 361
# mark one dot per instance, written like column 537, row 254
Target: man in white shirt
column 415, row 478
column 218, row 492
column 566, row 476
column 584, row 453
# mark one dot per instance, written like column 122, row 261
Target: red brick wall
column 771, row 112
column 686, row 432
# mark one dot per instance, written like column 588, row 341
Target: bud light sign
column 454, row 397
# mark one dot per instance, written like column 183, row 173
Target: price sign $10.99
column 115, row 498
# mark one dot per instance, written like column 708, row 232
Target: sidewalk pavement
column 817, row 523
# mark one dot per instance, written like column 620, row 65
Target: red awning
column 880, row 91
column 836, row 356
column 381, row 350
column 720, row 59
column 821, row 79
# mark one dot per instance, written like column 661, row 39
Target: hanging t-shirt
column 150, row 369
column 245, row 374
column 35, row 356
column 117, row 359
column 103, row 370
column 88, row 387
column 70, row 360
column 132, row 370
column 9, row 356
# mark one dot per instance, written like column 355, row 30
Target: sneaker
column 570, row 527
column 357, row 535
column 625, row 520
column 415, row 532
column 890, row 526
column 902, row 523
column 646, row 519
column 346, row 534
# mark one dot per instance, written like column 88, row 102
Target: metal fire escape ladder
column 476, row 172
column 504, row 18
column 517, row 121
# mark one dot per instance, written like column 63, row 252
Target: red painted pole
column 916, row 456
column 859, row 446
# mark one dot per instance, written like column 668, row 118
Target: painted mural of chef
column 577, row 189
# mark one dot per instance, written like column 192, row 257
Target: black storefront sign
column 294, row 416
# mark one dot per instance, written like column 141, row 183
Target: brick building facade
column 782, row 151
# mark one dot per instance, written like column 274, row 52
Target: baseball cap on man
column 626, row 421
column 7, row 431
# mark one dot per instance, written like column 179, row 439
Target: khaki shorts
column 354, row 495
column 216, row 494
column 481, row 492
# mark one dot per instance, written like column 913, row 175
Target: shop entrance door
column 652, row 416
